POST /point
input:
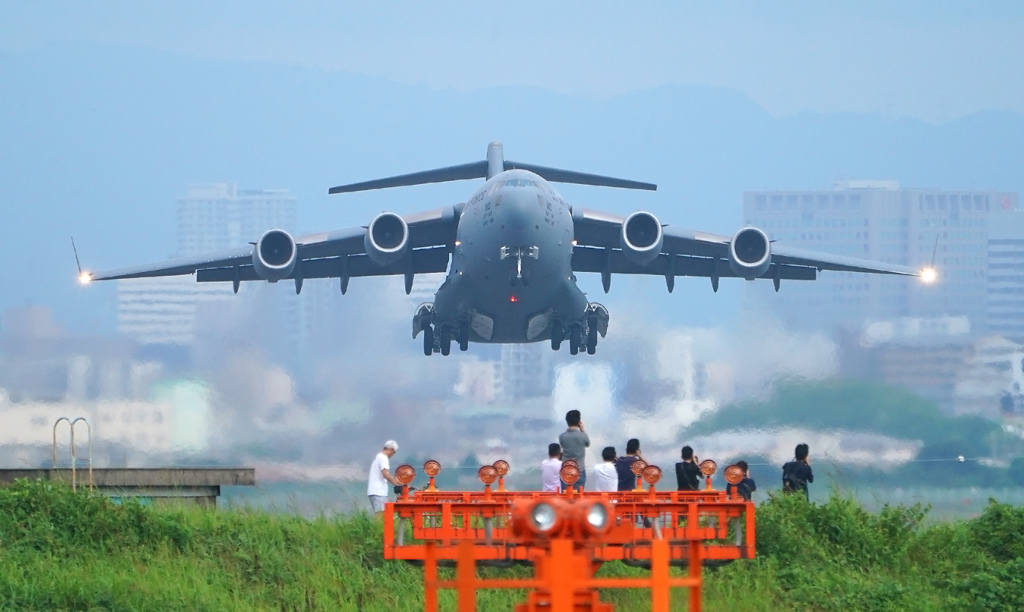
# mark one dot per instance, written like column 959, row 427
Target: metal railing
column 74, row 456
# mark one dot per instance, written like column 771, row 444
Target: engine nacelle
column 750, row 253
column 274, row 255
column 642, row 237
column 387, row 239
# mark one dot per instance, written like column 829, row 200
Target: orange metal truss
column 650, row 528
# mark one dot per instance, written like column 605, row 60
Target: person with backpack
column 797, row 473
column 688, row 471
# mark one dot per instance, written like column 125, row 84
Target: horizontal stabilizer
column 441, row 175
column 556, row 175
column 488, row 169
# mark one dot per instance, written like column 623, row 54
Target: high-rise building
column 881, row 221
column 1005, row 291
column 211, row 217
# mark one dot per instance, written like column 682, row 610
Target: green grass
column 64, row 550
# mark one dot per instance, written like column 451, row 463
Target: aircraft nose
column 518, row 207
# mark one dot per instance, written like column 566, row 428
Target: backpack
column 790, row 483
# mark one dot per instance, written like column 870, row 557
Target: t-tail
column 492, row 166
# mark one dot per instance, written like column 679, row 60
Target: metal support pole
column 465, row 575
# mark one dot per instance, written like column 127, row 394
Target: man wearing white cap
column 377, row 487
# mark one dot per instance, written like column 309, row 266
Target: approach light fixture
column 652, row 474
column 591, row 517
column 502, row 466
column 432, row 468
column 405, row 474
column 487, row 474
column 569, row 473
column 638, row 467
column 708, row 467
column 733, row 474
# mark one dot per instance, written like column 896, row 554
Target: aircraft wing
column 335, row 254
column 684, row 252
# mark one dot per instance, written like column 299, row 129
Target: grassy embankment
column 61, row 550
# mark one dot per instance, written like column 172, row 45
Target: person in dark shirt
column 797, row 473
column 745, row 487
column 624, row 465
column 688, row 472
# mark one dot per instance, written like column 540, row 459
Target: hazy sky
column 932, row 60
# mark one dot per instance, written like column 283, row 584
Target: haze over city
column 112, row 114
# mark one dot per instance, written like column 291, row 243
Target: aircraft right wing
column 670, row 251
column 415, row 244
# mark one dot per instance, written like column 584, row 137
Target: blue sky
column 932, row 60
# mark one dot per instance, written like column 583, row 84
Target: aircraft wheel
column 464, row 336
column 575, row 337
column 557, row 333
column 428, row 340
column 446, row 340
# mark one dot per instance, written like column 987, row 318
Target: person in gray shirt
column 574, row 443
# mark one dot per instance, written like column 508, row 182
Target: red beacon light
column 431, row 468
column 638, row 468
column 708, row 467
column 502, row 467
column 651, row 474
column 570, row 474
column 487, row 475
column 733, row 475
column 405, row 474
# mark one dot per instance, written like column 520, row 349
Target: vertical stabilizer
column 495, row 159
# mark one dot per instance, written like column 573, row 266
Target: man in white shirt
column 377, row 486
column 606, row 478
column 551, row 468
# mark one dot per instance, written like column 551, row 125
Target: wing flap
column 424, row 261
column 615, row 261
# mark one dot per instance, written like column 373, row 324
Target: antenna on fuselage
column 494, row 164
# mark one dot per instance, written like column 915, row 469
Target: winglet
column 83, row 277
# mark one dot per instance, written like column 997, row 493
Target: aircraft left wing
column 671, row 251
column 415, row 244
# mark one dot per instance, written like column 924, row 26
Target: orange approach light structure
column 566, row 537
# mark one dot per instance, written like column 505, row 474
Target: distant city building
column 525, row 370
column 1005, row 290
column 879, row 220
column 211, row 217
column 924, row 355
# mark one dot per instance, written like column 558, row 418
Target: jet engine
column 750, row 253
column 274, row 255
column 387, row 239
column 642, row 237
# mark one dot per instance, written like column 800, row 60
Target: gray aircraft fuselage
column 511, row 271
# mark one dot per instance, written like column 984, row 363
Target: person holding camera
column 574, row 442
column 797, row 473
column 688, row 471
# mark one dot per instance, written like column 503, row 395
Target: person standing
column 606, row 478
column 688, row 472
column 797, row 473
column 380, row 476
column 746, row 487
column 575, row 442
column 550, row 468
column 624, row 465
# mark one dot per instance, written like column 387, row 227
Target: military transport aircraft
column 512, row 252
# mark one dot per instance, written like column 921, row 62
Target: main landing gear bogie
column 438, row 338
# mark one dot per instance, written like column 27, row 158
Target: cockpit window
column 520, row 183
